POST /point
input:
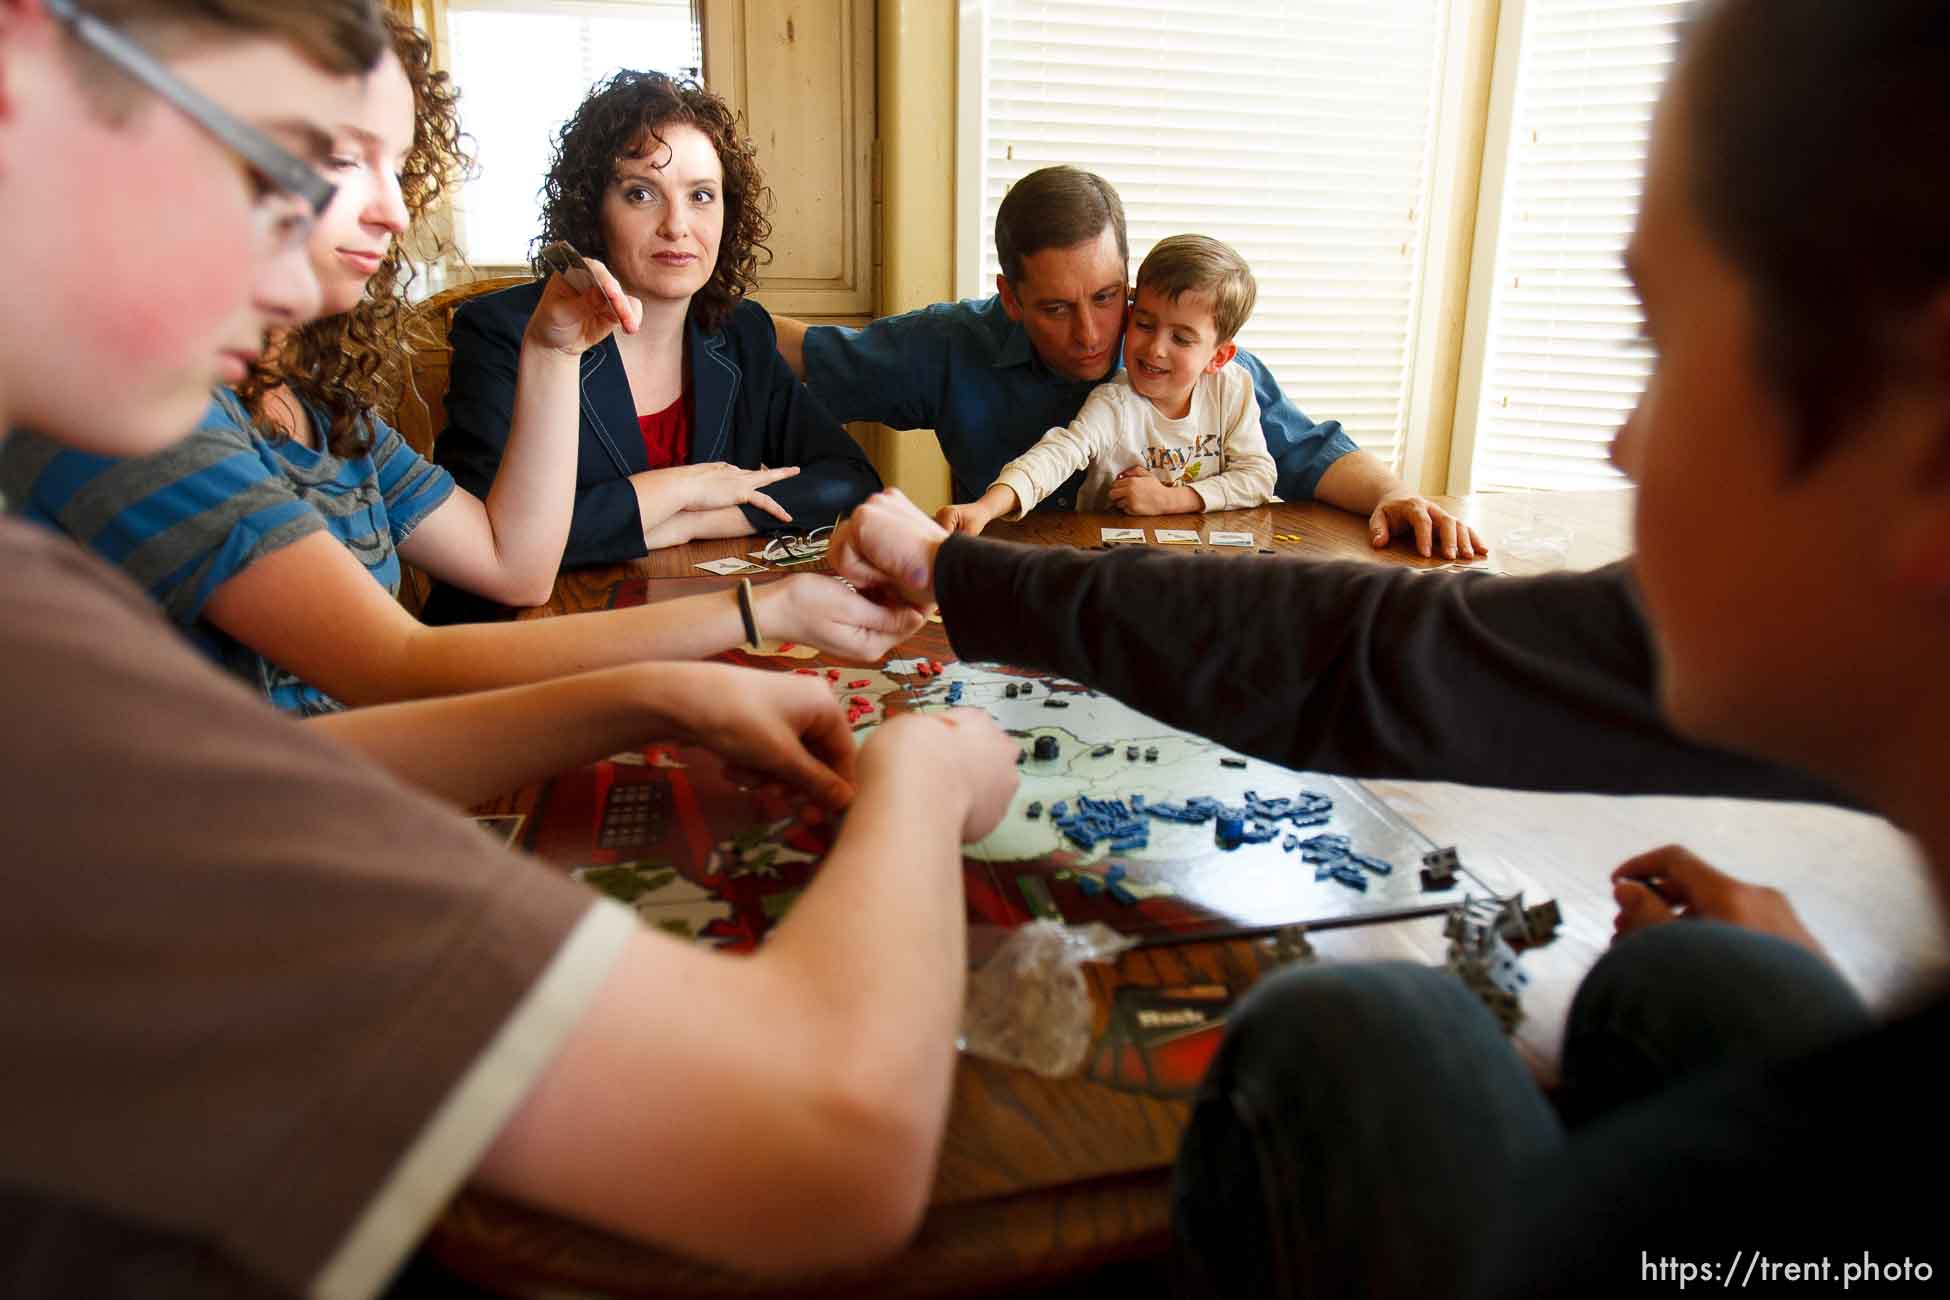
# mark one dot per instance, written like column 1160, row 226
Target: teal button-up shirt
column 967, row 371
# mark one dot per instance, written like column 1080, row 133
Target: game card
column 1176, row 536
column 731, row 564
column 1122, row 536
column 1218, row 538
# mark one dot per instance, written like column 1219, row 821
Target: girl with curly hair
column 274, row 534
column 679, row 420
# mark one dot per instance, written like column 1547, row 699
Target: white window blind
column 522, row 67
column 1297, row 132
column 1561, row 368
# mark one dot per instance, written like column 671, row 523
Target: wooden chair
column 421, row 412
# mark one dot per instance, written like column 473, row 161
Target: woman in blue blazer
column 692, row 426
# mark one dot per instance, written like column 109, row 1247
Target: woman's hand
column 825, row 612
column 572, row 320
column 715, row 485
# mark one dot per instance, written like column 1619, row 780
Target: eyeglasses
column 788, row 549
column 277, row 170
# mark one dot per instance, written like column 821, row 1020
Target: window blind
column 1561, row 366
column 522, row 67
column 1297, row 132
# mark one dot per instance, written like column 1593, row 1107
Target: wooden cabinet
column 802, row 74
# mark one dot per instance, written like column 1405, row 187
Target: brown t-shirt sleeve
column 260, row 999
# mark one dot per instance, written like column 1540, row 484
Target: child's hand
column 1670, row 883
column 967, row 748
column 1138, row 492
column 779, row 723
column 969, row 517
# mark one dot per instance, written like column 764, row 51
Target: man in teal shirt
column 991, row 376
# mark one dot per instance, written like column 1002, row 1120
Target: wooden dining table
column 1042, row 1180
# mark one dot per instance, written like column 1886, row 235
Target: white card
column 1176, row 536
column 1116, row 536
column 1218, row 538
column 731, row 564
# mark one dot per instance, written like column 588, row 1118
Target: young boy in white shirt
column 1176, row 431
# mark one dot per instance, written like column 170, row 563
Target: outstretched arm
column 313, row 609
column 1367, row 670
column 1362, row 485
column 467, row 748
column 507, row 544
column 831, row 1050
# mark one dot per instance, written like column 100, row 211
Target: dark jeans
column 1363, row 1124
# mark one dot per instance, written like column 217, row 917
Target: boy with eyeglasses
column 266, row 1009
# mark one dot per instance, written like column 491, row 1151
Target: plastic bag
column 1028, row 1004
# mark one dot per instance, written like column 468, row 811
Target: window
column 1298, row 133
column 522, row 67
column 1559, row 365
column 1304, row 134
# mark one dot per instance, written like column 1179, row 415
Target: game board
column 707, row 854
column 714, row 856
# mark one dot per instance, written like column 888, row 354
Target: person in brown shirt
column 265, row 1007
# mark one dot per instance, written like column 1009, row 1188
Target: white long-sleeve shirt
column 1217, row 449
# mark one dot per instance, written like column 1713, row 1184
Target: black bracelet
column 745, row 612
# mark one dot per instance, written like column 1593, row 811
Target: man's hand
column 1137, row 491
column 888, row 546
column 969, row 750
column 573, row 321
column 1671, row 883
column 782, row 723
column 1402, row 512
column 825, row 612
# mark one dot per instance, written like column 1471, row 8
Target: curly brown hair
column 356, row 362
column 621, row 119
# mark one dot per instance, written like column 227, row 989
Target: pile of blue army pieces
column 1094, row 821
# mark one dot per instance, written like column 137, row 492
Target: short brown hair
column 620, row 119
column 344, row 37
column 1197, row 264
column 1056, row 207
column 1842, row 238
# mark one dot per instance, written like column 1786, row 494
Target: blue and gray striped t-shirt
column 187, row 519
